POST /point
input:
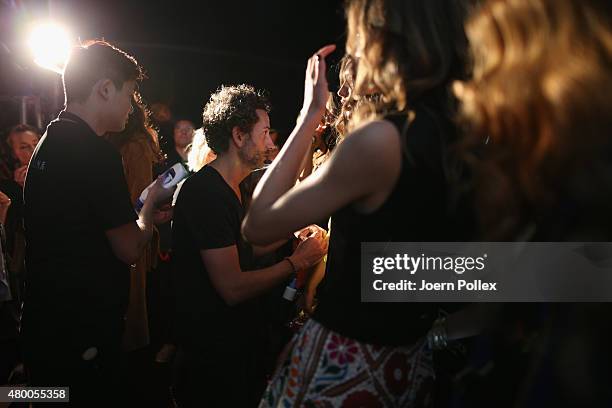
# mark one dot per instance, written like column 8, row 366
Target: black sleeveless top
column 416, row 210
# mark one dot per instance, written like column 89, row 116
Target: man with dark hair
column 219, row 363
column 82, row 232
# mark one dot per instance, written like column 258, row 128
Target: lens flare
column 50, row 44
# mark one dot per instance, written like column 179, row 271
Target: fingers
column 325, row 51
column 310, row 70
column 318, row 59
column 325, row 245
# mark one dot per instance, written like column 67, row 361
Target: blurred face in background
column 161, row 112
column 23, row 145
column 183, row 133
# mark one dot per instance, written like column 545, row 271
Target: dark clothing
column 14, row 216
column 9, row 317
column 15, row 239
column 219, row 375
column 160, row 296
column 416, row 210
column 93, row 383
column 165, row 231
column 172, row 157
column 207, row 215
column 219, row 337
column 76, row 288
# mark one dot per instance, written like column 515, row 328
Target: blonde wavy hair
column 403, row 50
column 200, row 154
column 541, row 94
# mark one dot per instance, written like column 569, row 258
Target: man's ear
column 104, row 88
column 238, row 136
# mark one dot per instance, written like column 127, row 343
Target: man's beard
column 255, row 160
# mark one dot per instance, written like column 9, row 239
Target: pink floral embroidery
column 342, row 349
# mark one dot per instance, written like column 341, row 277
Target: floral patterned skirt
column 326, row 369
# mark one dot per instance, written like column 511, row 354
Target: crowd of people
column 454, row 121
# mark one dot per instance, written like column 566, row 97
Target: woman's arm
column 363, row 170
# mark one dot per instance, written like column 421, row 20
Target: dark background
column 187, row 48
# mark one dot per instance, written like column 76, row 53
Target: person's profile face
column 161, row 112
column 274, row 137
column 120, row 105
column 345, row 90
column 23, row 145
column 259, row 145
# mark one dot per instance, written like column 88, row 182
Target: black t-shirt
column 75, row 191
column 172, row 157
column 208, row 215
column 417, row 210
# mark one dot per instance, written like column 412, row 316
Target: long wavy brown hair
column 404, row 50
column 138, row 126
column 541, row 95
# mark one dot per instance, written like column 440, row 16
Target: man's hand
column 20, row 174
column 311, row 231
column 163, row 214
column 309, row 252
column 158, row 193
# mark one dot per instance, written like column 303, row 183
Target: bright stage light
column 51, row 46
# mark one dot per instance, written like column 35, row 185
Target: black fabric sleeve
column 106, row 189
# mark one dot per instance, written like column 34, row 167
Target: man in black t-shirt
column 219, row 323
column 82, row 232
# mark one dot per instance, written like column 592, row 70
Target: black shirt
column 165, row 231
column 417, row 210
column 172, row 157
column 208, row 215
column 75, row 191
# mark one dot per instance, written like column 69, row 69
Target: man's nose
column 269, row 143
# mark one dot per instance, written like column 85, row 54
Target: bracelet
column 292, row 264
column 437, row 338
